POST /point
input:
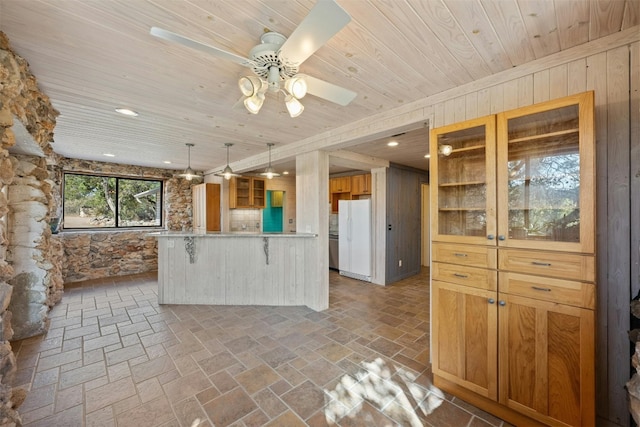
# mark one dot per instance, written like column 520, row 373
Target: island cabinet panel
column 513, row 197
column 213, row 269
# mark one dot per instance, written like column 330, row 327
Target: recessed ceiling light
column 127, row 112
column 108, row 154
column 167, row 162
column 426, row 156
column 392, row 143
column 285, row 173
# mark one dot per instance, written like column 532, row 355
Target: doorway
column 273, row 213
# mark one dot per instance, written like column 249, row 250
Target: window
column 93, row 201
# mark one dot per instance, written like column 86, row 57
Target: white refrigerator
column 354, row 241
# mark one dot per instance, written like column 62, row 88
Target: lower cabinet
column 546, row 366
column 465, row 337
column 517, row 345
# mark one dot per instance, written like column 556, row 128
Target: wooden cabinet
column 514, row 232
column 206, row 207
column 340, row 184
column 464, row 336
column 247, row 192
column 361, row 184
column 546, row 360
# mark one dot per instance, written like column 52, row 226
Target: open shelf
column 544, row 136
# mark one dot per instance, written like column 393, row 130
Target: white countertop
column 228, row 234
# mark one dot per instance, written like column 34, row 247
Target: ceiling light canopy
column 227, row 172
column 189, row 174
column 126, row 112
column 269, row 172
column 254, row 89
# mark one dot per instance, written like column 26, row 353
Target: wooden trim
column 618, row 206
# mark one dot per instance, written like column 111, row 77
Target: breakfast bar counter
column 238, row 269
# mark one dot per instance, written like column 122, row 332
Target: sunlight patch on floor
column 390, row 389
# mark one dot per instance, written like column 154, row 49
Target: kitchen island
column 239, row 269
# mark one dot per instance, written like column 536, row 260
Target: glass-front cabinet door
column 463, row 182
column 545, row 168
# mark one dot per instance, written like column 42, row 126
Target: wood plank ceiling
column 93, row 56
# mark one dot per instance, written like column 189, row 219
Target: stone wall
column 102, row 253
column 36, row 281
column 20, row 98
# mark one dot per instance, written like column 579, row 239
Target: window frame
column 116, row 226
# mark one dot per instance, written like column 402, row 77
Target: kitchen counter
column 228, row 234
column 239, row 268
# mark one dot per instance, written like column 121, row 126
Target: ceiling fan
column 276, row 60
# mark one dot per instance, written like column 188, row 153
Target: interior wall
column 403, row 236
column 608, row 73
column 22, row 101
column 90, row 254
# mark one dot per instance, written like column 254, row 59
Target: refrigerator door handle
column 349, row 229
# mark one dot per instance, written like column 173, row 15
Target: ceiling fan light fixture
column 294, row 106
column 270, row 172
column 296, row 86
column 249, row 85
column 253, row 104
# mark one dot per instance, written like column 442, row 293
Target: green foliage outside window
column 92, row 201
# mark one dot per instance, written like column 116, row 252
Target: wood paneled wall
column 403, row 235
column 613, row 75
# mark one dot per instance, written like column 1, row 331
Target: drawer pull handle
column 464, row 276
column 544, row 264
column 460, row 255
column 537, row 288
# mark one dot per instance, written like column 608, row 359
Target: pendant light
column 227, row 172
column 269, row 172
column 189, row 174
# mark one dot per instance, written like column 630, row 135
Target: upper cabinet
column 247, row 192
column 522, row 178
column 463, row 182
column 361, row 184
column 546, row 177
column 340, row 185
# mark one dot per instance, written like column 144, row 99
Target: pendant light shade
column 270, row 172
column 189, row 174
column 227, row 172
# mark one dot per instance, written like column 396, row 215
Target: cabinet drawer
column 463, row 275
column 561, row 265
column 569, row 292
column 473, row 256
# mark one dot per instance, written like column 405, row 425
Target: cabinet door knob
column 501, row 237
column 491, row 300
column 491, row 237
column 502, row 303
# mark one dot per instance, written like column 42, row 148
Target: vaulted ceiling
column 91, row 57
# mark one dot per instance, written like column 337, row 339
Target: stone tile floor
column 113, row 356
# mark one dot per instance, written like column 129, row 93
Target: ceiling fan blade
column 177, row 38
column 323, row 22
column 329, row 91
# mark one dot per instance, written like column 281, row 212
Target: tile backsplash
column 245, row 219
